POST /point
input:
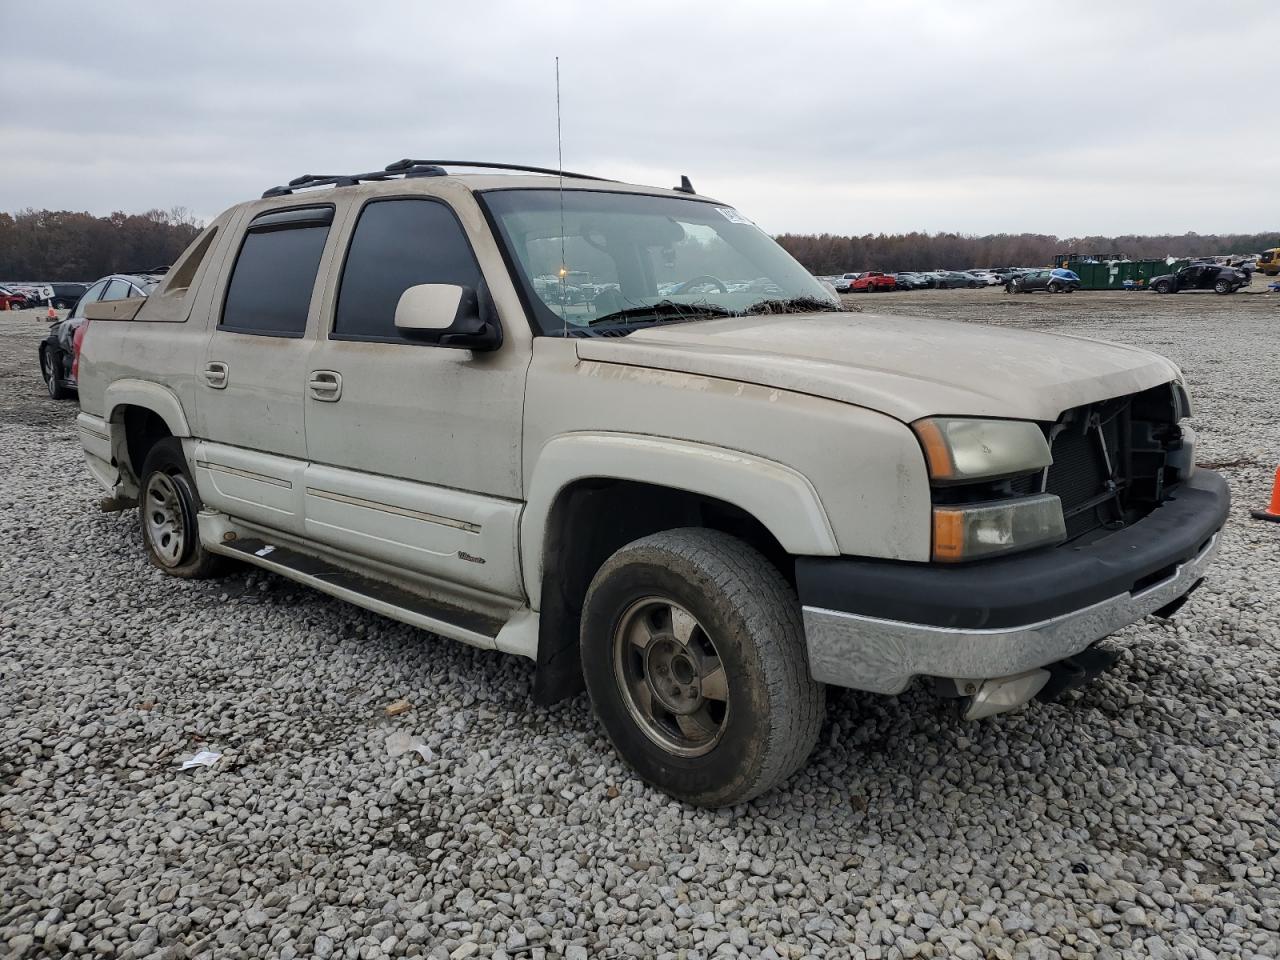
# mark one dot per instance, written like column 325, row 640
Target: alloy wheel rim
column 165, row 519
column 671, row 677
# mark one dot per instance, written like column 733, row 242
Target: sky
column 979, row 117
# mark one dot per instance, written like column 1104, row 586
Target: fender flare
column 781, row 498
column 161, row 401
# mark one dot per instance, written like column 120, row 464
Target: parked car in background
column 873, row 282
column 1050, row 281
column 1202, row 276
column 912, row 281
column 58, row 351
column 11, row 299
column 65, row 295
column 954, row 280
column 842, row 284
column 985, row 278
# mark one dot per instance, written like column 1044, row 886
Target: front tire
column 694, row 657
column 1163, row 287
column 49, row 371
column 167, row 508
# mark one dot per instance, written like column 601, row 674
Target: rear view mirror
column 448, row 315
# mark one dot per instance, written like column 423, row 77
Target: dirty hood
column 902, row 366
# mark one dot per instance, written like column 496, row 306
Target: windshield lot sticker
column 733, row 216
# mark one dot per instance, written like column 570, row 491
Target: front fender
column 782, row 499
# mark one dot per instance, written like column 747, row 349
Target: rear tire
column 167, row 508
column 1222, row 287
column 693, row 653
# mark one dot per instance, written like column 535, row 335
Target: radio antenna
column 564, row 268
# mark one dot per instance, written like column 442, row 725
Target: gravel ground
column 1139, row 818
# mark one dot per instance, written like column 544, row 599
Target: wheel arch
column 593, row 493
column 140, row 414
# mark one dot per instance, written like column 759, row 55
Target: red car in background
column 873, row 281
column 12, row 300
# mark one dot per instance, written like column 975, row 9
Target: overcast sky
column 1066, row 118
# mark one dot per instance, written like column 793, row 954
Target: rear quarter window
column 269, row 293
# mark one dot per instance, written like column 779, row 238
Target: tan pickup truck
column 618, row 431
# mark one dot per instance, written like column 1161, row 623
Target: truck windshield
column 613, row 262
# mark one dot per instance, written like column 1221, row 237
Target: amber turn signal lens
column 937, row 452
column 948, row 535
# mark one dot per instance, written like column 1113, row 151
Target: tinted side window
column 90, row 296
column 270, row 289
column 118, row 290
column 398, row 244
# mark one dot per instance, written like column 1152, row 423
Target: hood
column 905, row 367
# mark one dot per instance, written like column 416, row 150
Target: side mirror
column 449, row 315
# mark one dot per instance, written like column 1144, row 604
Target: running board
column 386, row 599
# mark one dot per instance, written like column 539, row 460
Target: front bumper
column 876, row 625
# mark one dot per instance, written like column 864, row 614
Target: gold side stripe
column 397, row 511
column 247, row 474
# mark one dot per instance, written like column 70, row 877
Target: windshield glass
column 619, row 261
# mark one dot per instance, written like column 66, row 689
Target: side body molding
column 143, row 393
column 776, row 495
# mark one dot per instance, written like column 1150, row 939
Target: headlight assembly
column 961, row 450
column 976, row 530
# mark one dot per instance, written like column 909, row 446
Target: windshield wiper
column 793, row 305
column 664, row 308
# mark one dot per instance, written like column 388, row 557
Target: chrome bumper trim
column 883, row 656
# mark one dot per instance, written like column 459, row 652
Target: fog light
column 971, row 531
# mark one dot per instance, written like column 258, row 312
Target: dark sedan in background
column 1050, row 281
column 58, row 349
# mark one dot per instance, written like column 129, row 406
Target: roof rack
column 409, row 168
column 403, row 165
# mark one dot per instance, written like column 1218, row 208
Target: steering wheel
column 705, row 278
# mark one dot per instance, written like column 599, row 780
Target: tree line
column 827, row 253
column 49, row 245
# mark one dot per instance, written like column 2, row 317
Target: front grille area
column 1090, row 490
column 1109, row 460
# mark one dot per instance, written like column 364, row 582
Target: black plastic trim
column 1026, row 588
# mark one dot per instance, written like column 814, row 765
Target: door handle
column 325, row 385
column 215, row 374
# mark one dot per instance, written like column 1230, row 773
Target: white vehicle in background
column 705, row 506
column 985, row 277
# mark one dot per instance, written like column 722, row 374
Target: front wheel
column 167, row 508
column 693, row 654
column 1162, row 287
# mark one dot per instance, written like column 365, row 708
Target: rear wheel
column 167, row 508
column 693, row 654
column 1222, row 287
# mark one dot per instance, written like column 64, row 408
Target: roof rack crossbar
column 409, row 168
column 402, row 166
column 321, row 180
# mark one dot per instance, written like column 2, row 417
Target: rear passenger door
column 250, row 381
column 414, row 447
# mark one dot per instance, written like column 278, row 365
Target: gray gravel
column 1139, row 818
